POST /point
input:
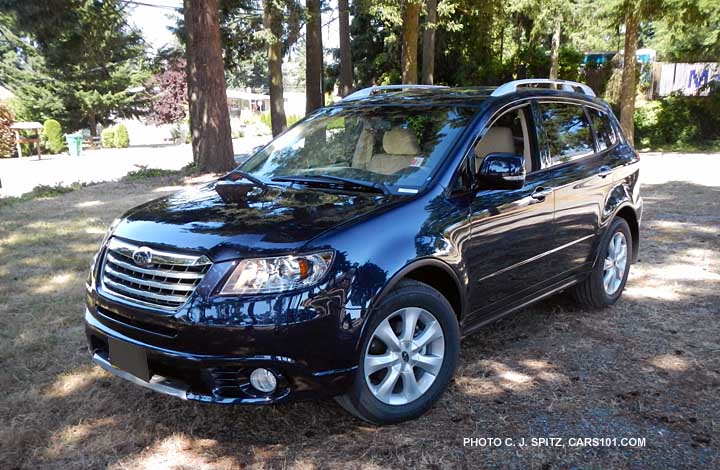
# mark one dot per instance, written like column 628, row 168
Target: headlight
column 278, row 274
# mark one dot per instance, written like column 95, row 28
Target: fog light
column 263, row 380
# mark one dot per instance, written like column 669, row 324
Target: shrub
column 7, row 135
column 289, row 119
column 122, row 139
column 52, row 136
column 107, row 137
column 265, row 119
column 679, row 121
column 144, row 172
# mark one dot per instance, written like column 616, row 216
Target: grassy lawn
column 648, row 368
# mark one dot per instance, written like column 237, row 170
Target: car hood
column 239, row 220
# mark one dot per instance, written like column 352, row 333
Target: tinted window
column 567, row 132
column 604, row 131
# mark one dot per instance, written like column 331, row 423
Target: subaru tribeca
column 349, row 256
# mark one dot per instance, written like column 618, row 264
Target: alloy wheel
column 404, row 356
column 615, row 263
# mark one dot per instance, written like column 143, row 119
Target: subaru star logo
column 142, row 256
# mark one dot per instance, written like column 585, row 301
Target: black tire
column 591, row 291
column 360, row 401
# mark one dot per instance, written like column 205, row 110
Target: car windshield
column 395, row 148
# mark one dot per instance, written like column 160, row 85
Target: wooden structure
column 19, row 128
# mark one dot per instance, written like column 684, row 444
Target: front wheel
column 606, row 282
column 408, row 356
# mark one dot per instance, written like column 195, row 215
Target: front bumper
column 216, row 378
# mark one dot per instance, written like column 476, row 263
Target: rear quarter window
column 604, row 130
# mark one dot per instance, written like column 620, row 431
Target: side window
column 567, row 132
column 604, row 131
column 508, row 134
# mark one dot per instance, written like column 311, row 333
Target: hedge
column 679, row 121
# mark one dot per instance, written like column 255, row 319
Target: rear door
column 578, row 170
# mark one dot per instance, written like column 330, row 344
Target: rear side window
column 604, row 131
column 567, row 132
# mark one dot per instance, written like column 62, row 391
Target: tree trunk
column 209, row 115
column 428, row 65
column 271, row 22
column 313, row 57
column 346, row 74
column 411, row 26
column 555, row 51
column 92, row 124
column 628, row 83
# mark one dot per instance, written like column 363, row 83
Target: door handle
column 541, row 193
column 604, row 171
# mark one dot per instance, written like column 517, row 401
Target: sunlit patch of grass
column 536, row 364
column 97, row 230
column 640, row 292
column 71, row 382
column 54, row 283
column 670, row 363
column 84, row 204
column 179, row 451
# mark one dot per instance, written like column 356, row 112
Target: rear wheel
column 408, row 356
column 605, row 284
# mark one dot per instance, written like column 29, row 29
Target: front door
column 511, row 230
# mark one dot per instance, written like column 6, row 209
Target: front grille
column 165, row 282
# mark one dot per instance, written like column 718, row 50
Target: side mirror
column 502, row 171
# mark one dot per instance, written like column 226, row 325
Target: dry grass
column 650, row 367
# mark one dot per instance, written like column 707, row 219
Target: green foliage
column 72, row 61
column 7, row 135
column 265, row 119
column 291, row 119
column 43, row 191
column 107, row 137
column 122, row 139
column 144, row 172
column 679, row 121
column 569, row 61
column 52, row 136
column 613, row 88
column 690, row 32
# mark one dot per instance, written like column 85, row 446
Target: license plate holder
column 130, row 358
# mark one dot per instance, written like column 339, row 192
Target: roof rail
column 566, row 85
column 374, row 90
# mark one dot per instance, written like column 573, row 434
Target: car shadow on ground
column 647, row 367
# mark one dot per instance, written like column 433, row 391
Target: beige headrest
column 496, row 139
column 399, row 141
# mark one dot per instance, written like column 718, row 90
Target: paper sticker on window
column 417, row 161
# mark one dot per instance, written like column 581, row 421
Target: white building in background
column 242, row 102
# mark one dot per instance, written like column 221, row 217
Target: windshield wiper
column 239, row 174
column 331, row 179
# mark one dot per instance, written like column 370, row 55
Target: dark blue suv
column 350, row 255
